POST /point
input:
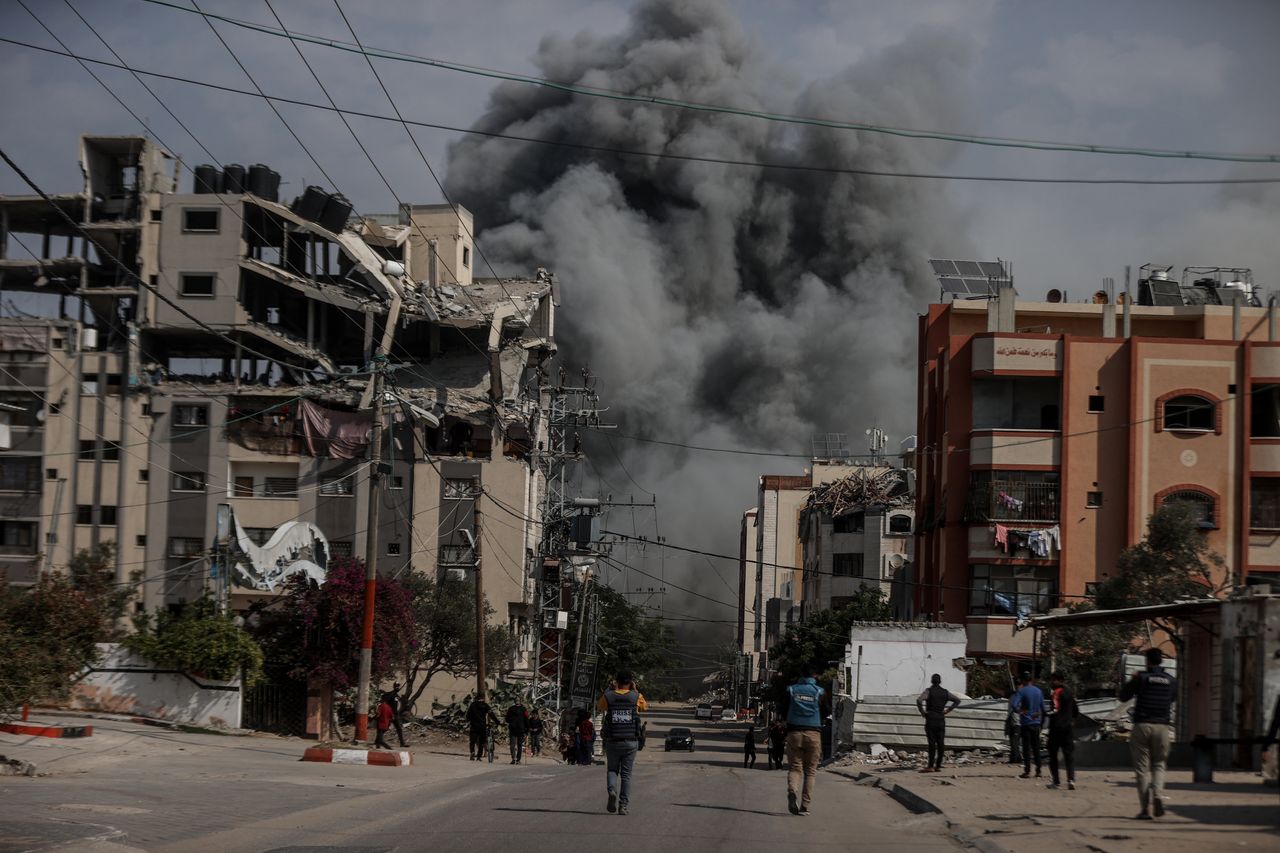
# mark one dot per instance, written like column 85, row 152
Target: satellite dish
column 896, row 561
column 1054, row 295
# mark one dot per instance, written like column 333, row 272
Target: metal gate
column 276, row 704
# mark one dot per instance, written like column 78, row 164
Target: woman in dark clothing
column 586, row 737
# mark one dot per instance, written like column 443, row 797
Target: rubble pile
column 863, row 488
column 888, row 758
column 453, row 716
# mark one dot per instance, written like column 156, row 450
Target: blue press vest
column 805, row 707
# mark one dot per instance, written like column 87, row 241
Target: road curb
column 919, row 805
column 145, row 721
column 381, row 758
column 42, row 730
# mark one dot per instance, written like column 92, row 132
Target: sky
column 1170, row 74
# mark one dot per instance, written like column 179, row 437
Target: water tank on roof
column 264, row 182
column 310, row 205
column 207, row 179
column 233, row 178
column 336, row 212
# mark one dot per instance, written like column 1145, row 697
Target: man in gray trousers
column 1153, row 691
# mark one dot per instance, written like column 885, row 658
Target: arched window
column 1190, row 412
column 899, row 523
column 1204, row 505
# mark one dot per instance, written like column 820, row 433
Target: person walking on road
column 517, row 728
column 1062, row 736
column 536, row 728
column 934, row 704
column 777, row 744
column 1029, row 703
column 479, row 717
column 585, row 738
column 385, row 713
column 749, row 748
column 621, row 706
column 1153, row 692
column 803, row 705
column 1013, row 729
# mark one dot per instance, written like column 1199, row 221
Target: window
column 854, row 522
column 199, row 220
column 187, row 481
column 157, row 215
column 1093, row 500
column 461, row 488
column 1012, row 590
column 107, row 514
column 846, row 565
column 144, row 475
column 1097, row 403
column 899, row 523
column 1265, row 414
column 84, row 514
column 280, row 487
column 340, row 549
column 393, row 549
column 51, row 473
column 336, row 486
column 1264, row 503
column 190, row 416
column 1016, row 402
column 185, row 546
column 1189, row 413
column 110, row 451
column 397, row 482
column 243, row 487
column 140, row 540
column 466, row 256
column 1091, row 588
column 18, row 537
column 21, row 474
column 196, row 283
column 1203, row 505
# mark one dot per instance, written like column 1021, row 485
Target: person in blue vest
column 804, row 705
column 1029, row 703
column 623, row 733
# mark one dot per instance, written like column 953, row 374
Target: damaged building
column 164, row 354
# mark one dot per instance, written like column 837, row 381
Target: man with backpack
column 622, row 733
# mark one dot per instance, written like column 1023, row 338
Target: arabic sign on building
column 583, row 689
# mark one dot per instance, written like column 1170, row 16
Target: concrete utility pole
column 371, row 561
column 481, row 675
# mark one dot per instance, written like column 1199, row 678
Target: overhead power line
column 834, row 124
column 659, row 155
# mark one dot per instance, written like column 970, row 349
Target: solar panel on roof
column 943, row 267
column 969, row 268
column 953, row 285
column 993, row 270
column 978, row 285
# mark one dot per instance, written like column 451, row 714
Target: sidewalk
column 989, row 807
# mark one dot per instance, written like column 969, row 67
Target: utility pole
column 370, row 559
column 475, row 550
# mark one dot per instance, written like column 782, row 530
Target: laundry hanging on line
column 1040, row 541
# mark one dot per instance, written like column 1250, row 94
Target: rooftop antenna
column 876, row 441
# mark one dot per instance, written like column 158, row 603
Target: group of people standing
column 521, row 723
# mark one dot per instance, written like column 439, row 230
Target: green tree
column 821, row 637
column 198, row 640
column 626, row 638
column 92, row 571
column 1088, row 655
column 444, row 630
column 48, row 634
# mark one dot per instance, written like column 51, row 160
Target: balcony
column 274, row 434
column 1012, row 500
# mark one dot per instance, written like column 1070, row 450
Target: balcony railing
column 1011, row 500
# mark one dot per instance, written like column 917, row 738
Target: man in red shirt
column 384, row 722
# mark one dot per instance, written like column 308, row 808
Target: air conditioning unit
column 455, row 574
column 556, row 620
column 89, row 339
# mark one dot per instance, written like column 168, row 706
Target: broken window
column 1265, row 413
column 1012, row 590
column 854, row 522
column 189, row 416
column 1016, row 402
column 459, row 488
column 846, row 565
column 185, row 546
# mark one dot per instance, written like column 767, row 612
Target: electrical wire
column 659, row 155
column 945, row 136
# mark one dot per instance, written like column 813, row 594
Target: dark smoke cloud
column 722, row 304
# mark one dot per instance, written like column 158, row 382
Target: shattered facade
column 229, row 363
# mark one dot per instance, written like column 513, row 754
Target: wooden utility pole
column 480, row 662
column 371, row 561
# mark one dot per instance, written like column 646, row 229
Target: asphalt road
column 159, row 791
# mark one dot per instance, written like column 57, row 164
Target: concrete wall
column 898, row 660
column 124, row 683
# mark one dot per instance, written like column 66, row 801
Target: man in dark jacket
column 536, row 728
column 777, row 744
column 479, row 717
column 1153, row 692
column 804, row 706
column 517, row 728
column 934, row 704
column 1062, row 736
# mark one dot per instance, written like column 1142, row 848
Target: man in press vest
column 804, row 705
column 621, row 707
column 933, row 706
column 1153, row 691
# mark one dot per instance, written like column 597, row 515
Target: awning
column 1179, row 609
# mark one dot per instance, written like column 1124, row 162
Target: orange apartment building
column 1050, row 431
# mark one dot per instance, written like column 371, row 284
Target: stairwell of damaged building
column 133, row 422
